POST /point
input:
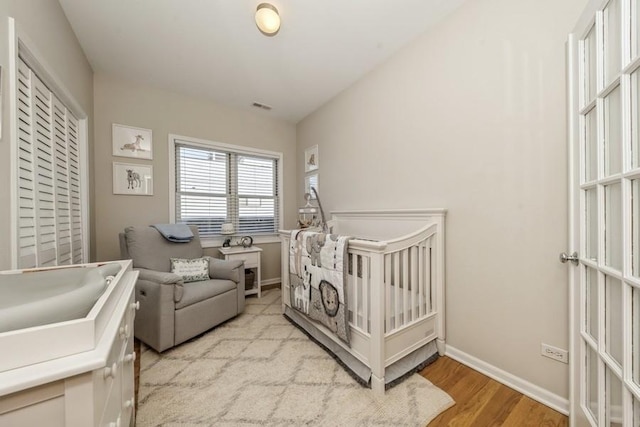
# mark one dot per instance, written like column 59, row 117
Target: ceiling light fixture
column 267, row 19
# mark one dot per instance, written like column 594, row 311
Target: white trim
column 392, row 213
column 273, row 281
column 242, row 149
column 257, row 240
column 531, row 390
column 13, row 138
column 83, row 146
column 35, row 60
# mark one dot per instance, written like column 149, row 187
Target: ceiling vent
column 263, row 106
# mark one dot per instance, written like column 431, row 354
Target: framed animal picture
column 311, row 160
column 133, row 179
column 129, row 141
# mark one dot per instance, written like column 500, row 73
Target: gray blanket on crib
column 317, row 279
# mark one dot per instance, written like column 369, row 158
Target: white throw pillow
column 191, row 270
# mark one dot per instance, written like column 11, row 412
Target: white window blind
column 49, row 186
column 215, row 186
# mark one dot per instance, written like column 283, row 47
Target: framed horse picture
column 133, row 179
column 129, row 141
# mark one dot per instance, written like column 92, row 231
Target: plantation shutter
column 218, row 186
column 49, row 193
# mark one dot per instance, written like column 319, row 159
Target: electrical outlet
column 554, row 353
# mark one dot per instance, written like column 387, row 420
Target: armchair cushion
column 195, row 292
column 222, row 269
column 159, row 277
column 191, row 270
column 148, row 249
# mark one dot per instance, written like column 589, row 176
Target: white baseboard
column 533, row 391
column 268, row 282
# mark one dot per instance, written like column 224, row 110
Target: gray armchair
column 172, row 311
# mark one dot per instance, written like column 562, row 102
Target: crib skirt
column 394, row 373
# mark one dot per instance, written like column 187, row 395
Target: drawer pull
column 110, row 371
column 124, row 332
column 130, row 357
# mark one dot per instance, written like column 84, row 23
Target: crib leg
column 440, row 345
column 377, row 385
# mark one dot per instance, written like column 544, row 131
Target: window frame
column 211, row 242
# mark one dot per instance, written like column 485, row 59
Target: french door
column 604, row 148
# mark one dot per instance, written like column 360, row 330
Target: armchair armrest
column 230, row 270
column 160, row 277
column 157, row 293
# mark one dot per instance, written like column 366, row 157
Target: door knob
column 573, row 258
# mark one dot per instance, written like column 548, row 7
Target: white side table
column 251, row 258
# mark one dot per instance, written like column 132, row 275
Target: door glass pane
column 590, row 86
column 614, row 413
column 591, row 146
column 613, row 318
column 612, row 133
column 635, row 119
column 591, row 224
column 592, row 382
column 613, row 226
column 635, row 227
column 635, row 332
column 592, row 302
column 612, row 33
column 636, row 412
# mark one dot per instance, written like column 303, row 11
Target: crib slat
column 356, row 289
column 396, row 284
column 414, row 282
column 387, row 292
column 365, row 294
column 405, row 286
column 421, row 296
column 427, row 279
column 432, row 277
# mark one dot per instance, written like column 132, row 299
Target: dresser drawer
column 250, row 260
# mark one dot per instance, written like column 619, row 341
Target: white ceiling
column 212, row 48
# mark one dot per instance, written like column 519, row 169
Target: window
column 50, row 205
column 218, row 183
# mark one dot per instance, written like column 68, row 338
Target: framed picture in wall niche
column 129, row 141
column 132, row 179
column 311, row 181
column 311, row 161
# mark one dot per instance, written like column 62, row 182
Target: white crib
column 395, row 289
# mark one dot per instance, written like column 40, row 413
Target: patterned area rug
column 259, row 370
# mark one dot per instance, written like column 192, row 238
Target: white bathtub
column 55, row 312
column 51, row 296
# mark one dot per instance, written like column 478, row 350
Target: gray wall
column 165, row 113
column 45, row 25
column 471, row 117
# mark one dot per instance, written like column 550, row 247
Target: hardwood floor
column 482, row 401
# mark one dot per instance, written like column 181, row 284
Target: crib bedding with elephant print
column 388, row 279
column 317, row 279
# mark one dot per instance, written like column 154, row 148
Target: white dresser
column 93, row 387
